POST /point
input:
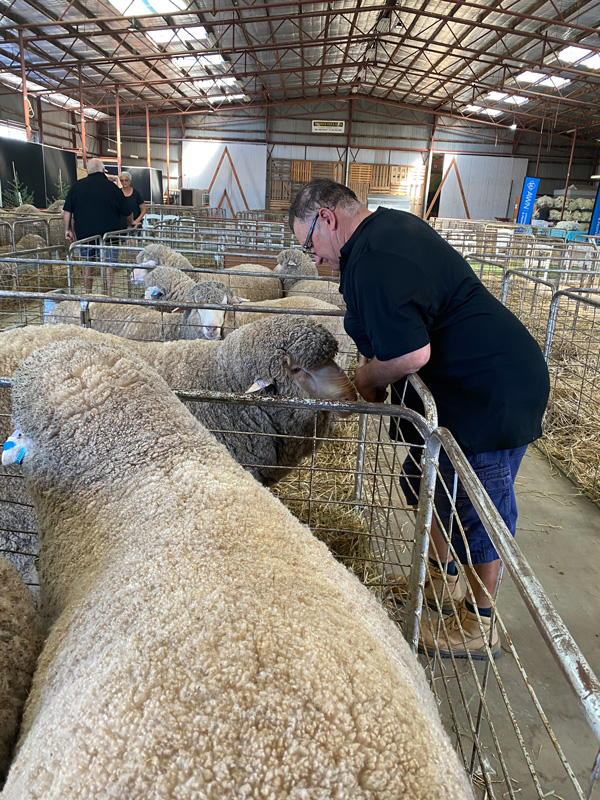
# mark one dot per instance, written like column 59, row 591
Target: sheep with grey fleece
column 203, row 643
column 20, row 644
column 247, row 281
column 284, row 356
column 298, row 270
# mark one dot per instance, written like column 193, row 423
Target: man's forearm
column 382, row 373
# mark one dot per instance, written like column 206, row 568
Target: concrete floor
column 559, row 534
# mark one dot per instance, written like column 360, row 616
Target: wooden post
column 39, row 113
column 82, row 119
column 24, row 89
column 348, row 143
column 168, row 166
column 429, row 166
column 118, row 124
column 439, row 189
column 147, row 137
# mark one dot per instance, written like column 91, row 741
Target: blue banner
column 595, row 221
column 530, row 186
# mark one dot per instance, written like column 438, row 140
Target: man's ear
column 328, row 217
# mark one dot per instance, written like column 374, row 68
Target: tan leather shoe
column 450, row 638
column 434, row 586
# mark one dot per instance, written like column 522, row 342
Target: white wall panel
column 200, row 163
column 490, row 186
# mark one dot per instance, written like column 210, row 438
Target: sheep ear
column 235, row 300
column 259, row 385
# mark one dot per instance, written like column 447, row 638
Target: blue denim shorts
column 94, row 253
column 497, row 471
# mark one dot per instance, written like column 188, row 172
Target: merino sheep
column 251, row 287
column 287, row 356
column 20, row 644
column 155, row 255
column 296, row 268
column 167, row 283
column 31, row 241
column 26, row 208
column 199, row 648
column 129, row 322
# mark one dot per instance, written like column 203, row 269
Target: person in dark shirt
column 543, row 213
column 135, row 201
column 414, row 304
column 94, row 206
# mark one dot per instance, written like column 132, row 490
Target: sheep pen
column 266, row 698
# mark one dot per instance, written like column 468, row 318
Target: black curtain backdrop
column 38, row 168
column 147, row 180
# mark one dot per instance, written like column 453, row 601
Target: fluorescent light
column 595, row 177
column 132, row 155
column 555, row 82
column 111, row 150
column 513, row 126
column 530, row 77
column 572, row 54
column 216, row 98
column 496, row 95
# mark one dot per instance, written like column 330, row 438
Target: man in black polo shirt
column 414, row 304
column 97, row 205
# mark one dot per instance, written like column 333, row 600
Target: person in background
column 542, row 213
column 135, row 201
column 94, row 206
column 414, row 304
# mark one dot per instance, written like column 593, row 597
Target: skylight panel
column 572, row 54
column 516, row 100
column 530, row 77
column 212, row 61
column 474, row 109
column 496, row 95
column 593, row 62
column 137, row 8
column 494, row 112
column 217, row 98
column 555, row 82
column 185, row 62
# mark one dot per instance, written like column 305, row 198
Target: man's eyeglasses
column 308, row 243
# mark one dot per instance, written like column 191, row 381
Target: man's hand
column 363, row 383
column 69, row 236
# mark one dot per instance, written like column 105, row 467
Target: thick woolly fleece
column 250, row 287
column 296, row 265
column 129, row 322
column 172, row 283
column 346, row 347
column 31, row 241
column 20, row 644
column 201, row 647
column 164, row 256
column 257, row 350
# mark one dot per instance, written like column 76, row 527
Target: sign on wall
column 595, row 221
column 328, row 126
column 530, row 187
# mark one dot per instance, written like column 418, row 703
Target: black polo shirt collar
column 347, row 247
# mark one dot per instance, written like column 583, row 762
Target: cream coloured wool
column 291, row 357
column 20, row 644
column 199, row 648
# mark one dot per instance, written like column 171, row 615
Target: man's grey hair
column 321, row 193
column 125, row 175
column 94, row 165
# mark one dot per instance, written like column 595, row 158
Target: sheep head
column 293, row 264
column 151, row 256
column 207, row 323
column 159, row 282
column 294, row 356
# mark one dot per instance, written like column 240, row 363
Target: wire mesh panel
column 572, row 424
